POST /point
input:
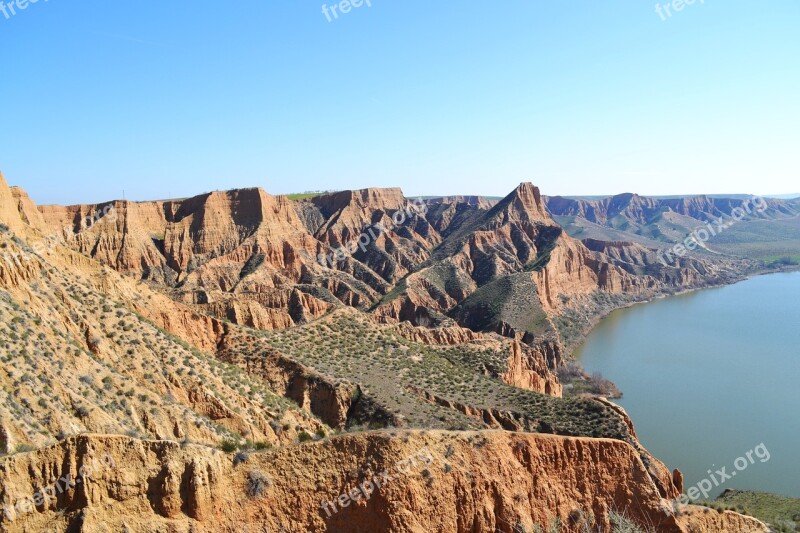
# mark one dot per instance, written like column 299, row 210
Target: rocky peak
column 523, row 204
column 619, row 202
column 529, row 198
column 9, row 207
column 27, row 209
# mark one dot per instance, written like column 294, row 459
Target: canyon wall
column 429, row 481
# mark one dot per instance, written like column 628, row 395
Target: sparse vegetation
column 257, row 484
column 229, row 446
column 392, row 370
column 40, row 351
column 307, row 195
column 780, row 512
column 578, row 382
column 785, row 261
column 622, row 524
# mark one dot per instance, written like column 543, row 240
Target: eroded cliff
column 417, row 482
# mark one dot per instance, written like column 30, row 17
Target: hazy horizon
column 788, row 196
column 783, row 196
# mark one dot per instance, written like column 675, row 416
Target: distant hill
column 769, row 231
column 795, row 196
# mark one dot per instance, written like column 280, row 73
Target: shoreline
column 569, row 351
column 794, row 269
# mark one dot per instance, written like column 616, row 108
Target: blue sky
column 168, row 99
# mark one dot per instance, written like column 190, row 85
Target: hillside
column 781, row 513
column 762, row 229
column 233, row 375
column 270, row 263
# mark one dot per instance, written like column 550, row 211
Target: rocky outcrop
column 533, row 368
column 17, row 265
column 446, row 335
column 10, row 207
column 697, row 519
column 526, row 367
column 523, row 205
column 330, row 400
column 244, row 243
column 348, row 212
column 28, row 212
column 417, row 482
column 269, row 309
column 168, row 241
column 121, row 234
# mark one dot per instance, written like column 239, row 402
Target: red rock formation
column 457, row 482
column 528, row 368
column 448, row 335
column 10, row 207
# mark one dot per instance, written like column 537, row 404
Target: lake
column 708, row 376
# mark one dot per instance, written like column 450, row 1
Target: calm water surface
column 710, row 375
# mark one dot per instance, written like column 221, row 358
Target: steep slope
column 513, row 270
column 270, row 263
column 416, row 482
column 206, row 249
column 11, row 207
column 250, row 258
column 78, row 357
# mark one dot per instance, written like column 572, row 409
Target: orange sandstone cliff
column 416, row 482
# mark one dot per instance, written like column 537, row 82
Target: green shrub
column 22, row 448
column 229, row 446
